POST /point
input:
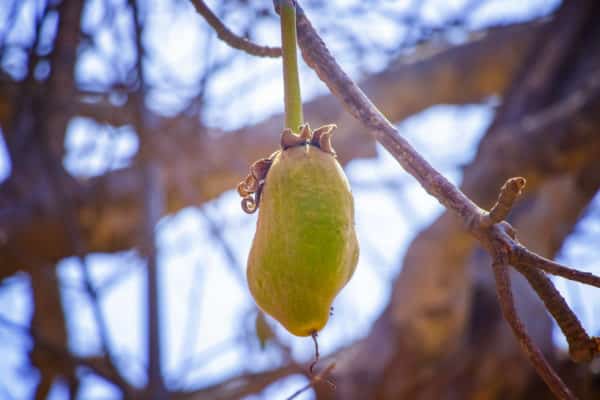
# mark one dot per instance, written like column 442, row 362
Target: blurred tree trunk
column 35, row 141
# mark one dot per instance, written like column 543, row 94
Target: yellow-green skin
column 305, row 249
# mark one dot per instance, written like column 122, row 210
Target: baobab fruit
column 305, row 248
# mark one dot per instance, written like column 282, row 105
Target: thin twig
column 523, row 257
column 582, row 348
column 231, row 38
column 320, row 377
column 240, row 386
column 153, row 203
column 536, row 357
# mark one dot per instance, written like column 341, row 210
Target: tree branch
column 95, row 364
column 153, row 200
column 582, row 348
column 510, row 314
column 240, row 386
column 231, row 38
column 523, row 257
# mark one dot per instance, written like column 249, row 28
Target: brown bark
column 49, row 318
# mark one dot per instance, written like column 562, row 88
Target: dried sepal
column 250, row 188
column 260, row 168
column 325, row 144
column 249, row 204
column 325, row 129
column 290, row 139
column 321, row 138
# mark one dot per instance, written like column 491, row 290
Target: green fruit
column 305, row 249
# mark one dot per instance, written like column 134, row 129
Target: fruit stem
column 291, row 81
column 317, row 355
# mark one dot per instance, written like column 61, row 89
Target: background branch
column 231, row 38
